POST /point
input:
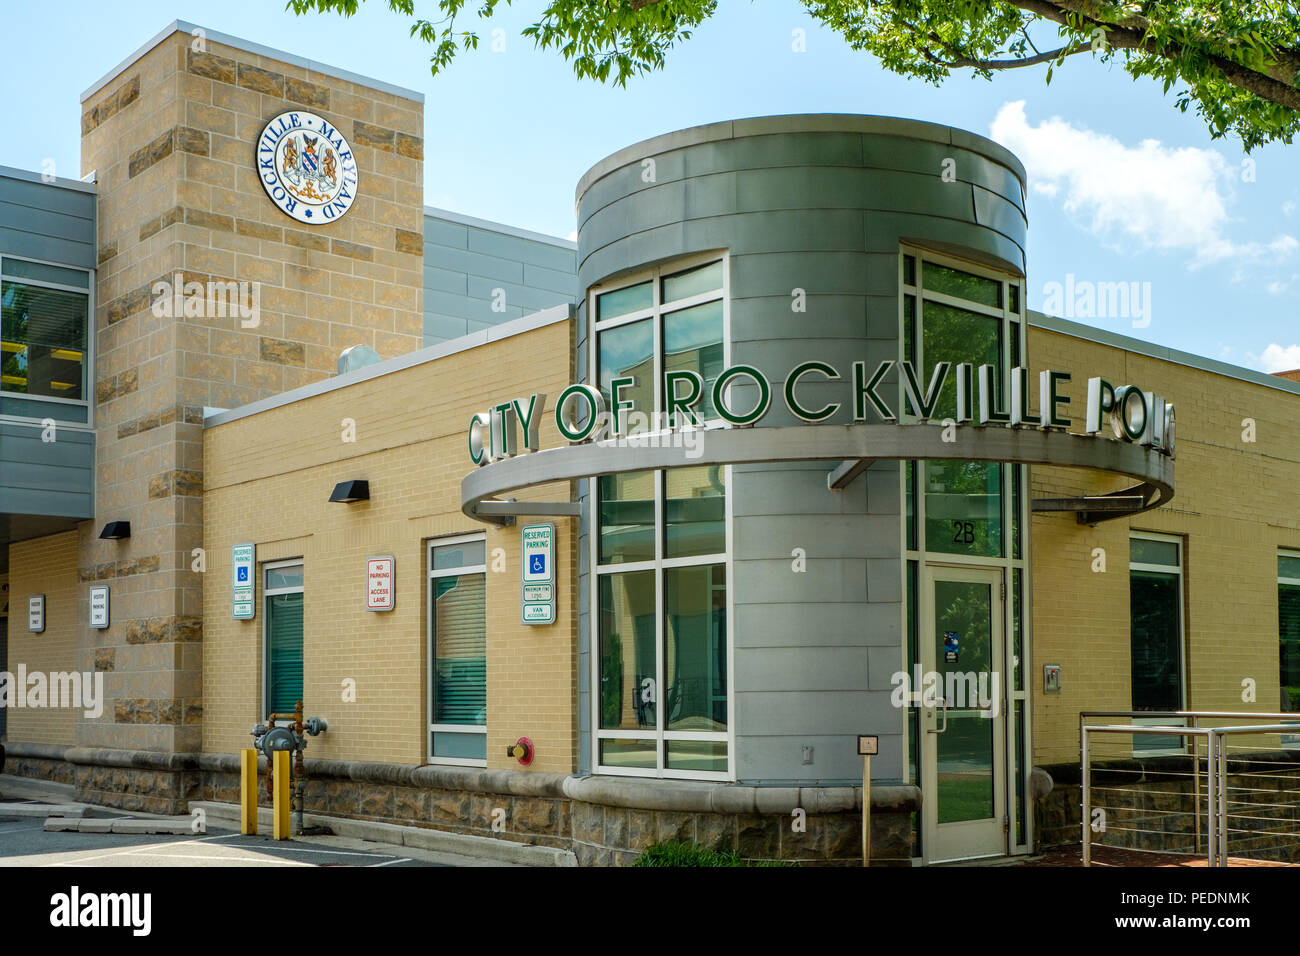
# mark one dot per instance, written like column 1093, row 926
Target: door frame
column 996, row 838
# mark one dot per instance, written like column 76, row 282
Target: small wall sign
column 537, row 594
column 99, row 606
column 36, row 613
column 243, row 561
column 379, row 584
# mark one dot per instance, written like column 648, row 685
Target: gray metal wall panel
column 464, row 266
column 444, row 280
column 47, row 221
column 519, row 249
column 551, row 280
column 473, row 263
column 840, row 712
column 888, row 228
column 773, row 581
column 439, row 232
column 439, row 328
column 824, row 212
column 807, row 667
column 46, row 478
column 769, row 756
column 792, row 492
column 39, row 195
column 770, row 625
column 528, row 299
column 825, row 316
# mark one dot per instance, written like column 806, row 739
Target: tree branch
column 1013, row 64
column 1263, row 85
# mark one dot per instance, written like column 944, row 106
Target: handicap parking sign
column 537, row 564
column 242, row 573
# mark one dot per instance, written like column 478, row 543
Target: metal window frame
column 1006, row 562
column 660, row 563
column 88, row 385
column 430, row 545
column 266, row 619
column 1176, row 572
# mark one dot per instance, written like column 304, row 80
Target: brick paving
column 1106, row 856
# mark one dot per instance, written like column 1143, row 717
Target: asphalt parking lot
column 24, row 842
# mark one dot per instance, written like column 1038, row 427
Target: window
column 670, row 322
column 662, row 661
column 967, row 513
column 458, row 650
column 282, row 597
column 44, row 349
column 1288, row 628
column 961, row 313
column 1156, row 631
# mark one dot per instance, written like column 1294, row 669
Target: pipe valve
column 521, row 750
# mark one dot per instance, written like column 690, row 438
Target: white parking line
column 391, row 862
column 299, row 849
column 268, row 861
column 82, row 861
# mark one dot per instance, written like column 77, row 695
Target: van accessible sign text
column 583, row 413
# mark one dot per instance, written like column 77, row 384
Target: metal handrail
column 1215, row 770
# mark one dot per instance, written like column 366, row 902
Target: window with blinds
column 44, row 336
column 284, row 652
column 458, row 650
column 460, row 644
column 283, row 590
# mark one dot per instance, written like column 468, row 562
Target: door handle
column 944, row 727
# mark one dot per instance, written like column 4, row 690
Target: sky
column 1123, row 188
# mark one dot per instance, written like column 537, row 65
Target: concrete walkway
column 42, row 824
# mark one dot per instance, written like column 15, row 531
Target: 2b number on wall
column 963, row 532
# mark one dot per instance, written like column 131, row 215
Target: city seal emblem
column 307, row 167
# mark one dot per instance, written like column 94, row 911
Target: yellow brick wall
column 1234, row 505
column 46, row 566
column 268, row 480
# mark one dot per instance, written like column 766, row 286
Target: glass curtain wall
column 662, row 665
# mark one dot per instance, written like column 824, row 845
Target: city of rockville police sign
column 306, row 166
column 612, row 439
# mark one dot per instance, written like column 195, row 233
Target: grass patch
column 688, row 854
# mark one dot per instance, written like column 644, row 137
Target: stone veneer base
column 604, row 821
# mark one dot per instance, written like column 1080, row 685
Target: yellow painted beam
column 280, row 799
column 248, row 792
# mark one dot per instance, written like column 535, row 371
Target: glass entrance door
column 963, row 727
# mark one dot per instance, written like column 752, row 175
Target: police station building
column 630, row 538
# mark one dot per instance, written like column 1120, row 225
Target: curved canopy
column 852, row 447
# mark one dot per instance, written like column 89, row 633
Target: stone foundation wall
column 606, row 822
column 38, row 761
column 1151, row 805
column 389, row 793
column 615, row 836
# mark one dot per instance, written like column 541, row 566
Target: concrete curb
column 421, row 838
column 62, row 810
column 173, row 825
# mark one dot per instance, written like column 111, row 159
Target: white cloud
column 1279, row 358
column 1288, row 207
column 1157, row 197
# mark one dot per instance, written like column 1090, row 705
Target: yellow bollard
column 248, row 792
column 280, row 799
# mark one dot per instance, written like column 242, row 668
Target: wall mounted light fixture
column 358, row 489
column 115, row 530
